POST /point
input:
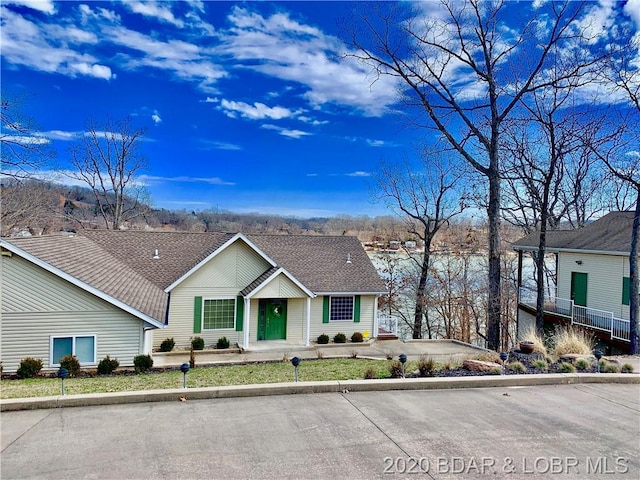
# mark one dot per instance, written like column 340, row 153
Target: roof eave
column 286, row 274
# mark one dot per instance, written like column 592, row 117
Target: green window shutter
column 325, row 310
column 239, row 312
column 356, row 309
column 626, row 290
column 197, row 315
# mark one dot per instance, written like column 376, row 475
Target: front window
column 219, row 314
column 341, row 309
column 82, row 346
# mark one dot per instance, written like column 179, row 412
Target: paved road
column 577, row 432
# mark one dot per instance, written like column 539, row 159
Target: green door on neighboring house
column 579, row 288
column 272, row 321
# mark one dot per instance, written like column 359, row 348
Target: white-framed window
column 341, row 309
column 82, row 346
column 219, row 314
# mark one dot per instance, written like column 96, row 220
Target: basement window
column 82, row 346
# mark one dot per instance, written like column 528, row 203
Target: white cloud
column 281, row 47
column 156, row 117
column 217, row 145
column 211, row 100
column 358, row 174
column 61, row 135
column 285, row 131
column 47, row 47
column 375, row 143
column 25, row 139
column 632, row 8
column 45, row 6
column 183, row 179
column 152, row 9
column 257, row 111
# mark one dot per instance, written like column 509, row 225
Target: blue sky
column 248, row 106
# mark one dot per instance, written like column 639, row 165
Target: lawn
column 309, row 370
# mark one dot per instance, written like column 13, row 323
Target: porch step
column 387, row 336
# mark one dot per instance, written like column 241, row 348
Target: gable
column 279, row 287
column 236, row 266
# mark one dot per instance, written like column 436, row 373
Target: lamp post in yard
column 295, row 361
column 184, row 368
column 62, row 374
column 403, row 360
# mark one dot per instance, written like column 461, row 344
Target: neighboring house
column 249, row 288
column 592, row 278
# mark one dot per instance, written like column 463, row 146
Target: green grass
column 309, row 370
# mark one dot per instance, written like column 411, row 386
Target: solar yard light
column 598, row 355
column 184, row 368
column 403, row 360
column 62, row 374
column 503, row 357
column 295, row 361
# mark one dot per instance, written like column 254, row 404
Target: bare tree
column 465, row 75
column 108, row 160
column 427, row 199
column 24, row 149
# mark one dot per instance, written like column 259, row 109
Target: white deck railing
column 387, row 325
column 618, row 328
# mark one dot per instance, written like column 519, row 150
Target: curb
column 333, row 386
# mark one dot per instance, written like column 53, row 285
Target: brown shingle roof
column 122, row 265
column 85, row 260
column 259, row 281
column 178, row 252
column 320, row 262
column 611, row 233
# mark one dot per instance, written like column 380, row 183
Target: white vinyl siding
column 37, row 305
column 280, row 287
column 367, row 303
column 605, row 272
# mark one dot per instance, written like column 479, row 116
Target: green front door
column 272, row 324
column 579, row 288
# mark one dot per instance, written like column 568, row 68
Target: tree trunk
column 421, row 295
column 634, row 282
column 493, row 306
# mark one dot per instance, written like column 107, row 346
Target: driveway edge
column 235, row 391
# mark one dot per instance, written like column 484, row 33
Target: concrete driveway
column 570, row 431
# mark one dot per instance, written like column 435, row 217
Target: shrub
column 340, row 338
column 357, row 337
column 167, row 345
column 540, row 364
column 566, row 367
column 517, row 367
column 572, row 340
column 107, row 365
column 395, row 369
column 488, row 357
column 29, row 367
column 538, row 342
column 323, row 339
column 611, row 368
column 426, row 366
column 627, row 368
column 370, row 374
column 71, row 363
column 582, row 364
column 142, row 363
column 222, row 343
column 197, row 343
column 354, row 353
column 495, row 371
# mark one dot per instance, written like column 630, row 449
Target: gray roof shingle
column 611, row 233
